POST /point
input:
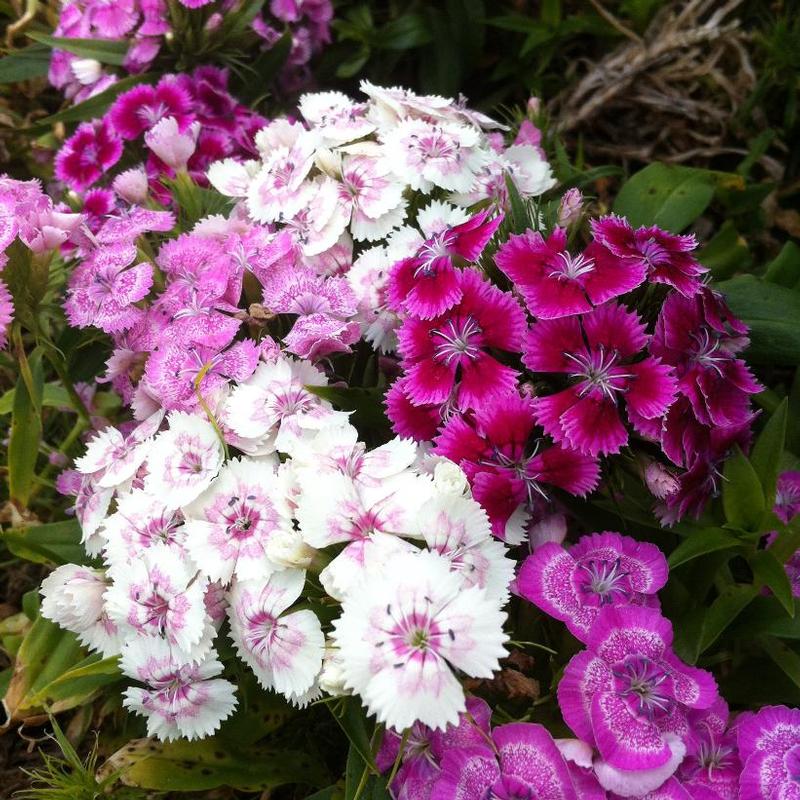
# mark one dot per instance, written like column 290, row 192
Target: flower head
column 88, row 154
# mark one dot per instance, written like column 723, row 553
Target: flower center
column 597, row 369
column 640, row 680
column 652, row 252
column 438, row 246
column 458, row 340
column 605, row 580
column 569, row 267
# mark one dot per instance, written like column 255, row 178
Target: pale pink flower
column 173, row 146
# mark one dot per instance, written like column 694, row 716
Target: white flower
column 180, row 699
column 91, row 507
column 335, row 117
column 231, row 177
column 405, row 630
column 449, row 478
column 331, row 679
column 425, row 155
column 437, row 216
column 183, row 460
column 286, row 549
column 229, row 525
column 131, row 185
column 72, row 596
column 111, row 458
column 322, row 219
column 458, row 529
column 86, row 70
column 283, row 650
column 275, row 407
column 160, row 594
column 172, row 146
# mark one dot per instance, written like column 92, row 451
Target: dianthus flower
column 601, row 353
column 405, row 630
column 602, row 569
column 88, row 154
column 136, row 111
column 555, row 283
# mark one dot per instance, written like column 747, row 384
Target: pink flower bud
column 172, row 146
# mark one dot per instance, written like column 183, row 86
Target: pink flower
column 523, row 761
column 787, row 497
column 506, row 466
column 769, row 747
column 665, row 256
column 317, row 336
column 6, row 314
column 602, row 569
column 88, row 154
column 139, row 109
column 428, row 284
column 699, row 336
column 597, row 351
column 408, row 419
column 629, row 695
column 105, row 287
column 554, row 283
column 447, row 358
column 173, row 146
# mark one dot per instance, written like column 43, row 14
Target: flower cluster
column 189, row 538
column 149, row 28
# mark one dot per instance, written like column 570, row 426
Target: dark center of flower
column 641, row 681
column 606, row 580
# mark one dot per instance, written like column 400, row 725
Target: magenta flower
column 317, row 336
column 602, row 569
column 507, row 466
column 629, row 695
column 769, row 747
column 700, row 338
column 142, row 107
column 447, row 358
column 88, row 154
column 787, row 497
column 600, row 352
column 424, row 749
column 104, row 288
column 665, row 256
column 418, row 422
column 428, row 284
column 554, row 283
column 6, row 314
column 523, row 762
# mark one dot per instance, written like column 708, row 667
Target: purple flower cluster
column 598, row 372
column 148, row 25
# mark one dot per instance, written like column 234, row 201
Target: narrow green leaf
column 352, row 718
column 22, row 65
column 77, row 685
column 784, row 269
column 701, row 542
column 766, row 615
column 770, row 572
column 766, row 454
column 106, row 51
column 784, row 656
column 53, row 542
column 54, row 395
column 742, row 495
column 787, row 542
column 723, row 611
column 518, row 210
column 26, row 433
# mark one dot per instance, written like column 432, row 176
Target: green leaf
column 22, row 65
column 766, row 454
column 518, row 211
column 787, row 542
column 106, row 51
column 183, row 766
column 726, row 253
column 53, row 542
column 770, row 572
column 26, row 433
column 784, row 269
column 784, row 656
column 742, row 495
column 723, row 611
column 365, row 404
column 766, row 615
column 79, row 684
column 771, row 312
column 708, row 540
column 54, row 395
column 666, row 195
column 404, row 33
column 350, row 715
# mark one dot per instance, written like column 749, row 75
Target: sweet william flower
column 406, row 629
column 523, row 761
column 139, row 109
column 172, row 145
column 602, row 569
column 555, row 283
column 428, row 284
column 284, row 650
column 88, row 154
column 599, row 352
column 6, row 314
column 787, row 496
column 447, row 358
column 178, row 699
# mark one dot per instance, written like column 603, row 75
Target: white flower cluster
column 189, row 538
column 350, row 171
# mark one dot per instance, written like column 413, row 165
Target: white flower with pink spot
column 183, row 460
column 161, row 594
column 273, row 407
column 426, row 154
column 228, row 528
column 401, row 635
column 284, row 650
column 72, row 596
column 111, row 458
column 178, row 699
column 335, row 117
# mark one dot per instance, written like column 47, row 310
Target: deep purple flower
column 88, row 154
column 140, row 108
column 602, row 569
